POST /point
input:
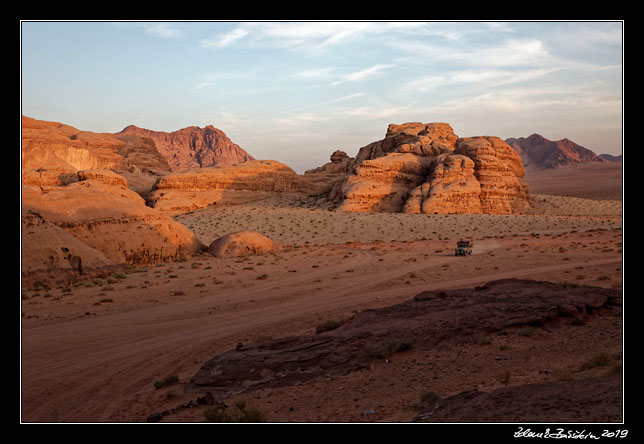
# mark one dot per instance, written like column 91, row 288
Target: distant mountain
column 611, row 158
column 193, row 147
column 537, row 152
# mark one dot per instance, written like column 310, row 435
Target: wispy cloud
column 483, row 78
column 163, row 30
column 224, row 40
column 305, row 36
column 362, row 74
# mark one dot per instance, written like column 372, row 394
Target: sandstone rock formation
column 331, row 173
column 340, row 163
column 193, row 147
column 56, row 146
column 382, row 184
column 426, row 168
column 428, row 139
column 242, row 243
column 537, row 152
column 451, row 187
column 244, row 182
column 92, row 223
column 50, row 254
column 499, row 171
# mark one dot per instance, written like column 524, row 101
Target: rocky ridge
column 537, row 152
column 193, row 147
column 243, row 182
column 55, row 146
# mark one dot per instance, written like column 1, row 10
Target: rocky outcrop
column 592, row 400
column 426, row 168
column 499, row 171
column 193, row 147
column 451, row 187
column 340, row 163
column 243, row 243
column 537, row 152
column 46, row 178
column 93, row 223
column 423, row 139
column 56, row 146
column 445, row 317
column 244, row 182
column 382, row 185
column 51, row 255
column 331, row 173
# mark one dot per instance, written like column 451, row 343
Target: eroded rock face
column 424, row 139
column 426, row 168
column 451, row 187
column 499, row 170
column 96, row 222
column 48, row 250
column 244, row 182
column 243, row 243
column 53, row 145
column 383, row 184
column 193, row 147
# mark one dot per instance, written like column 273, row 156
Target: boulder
column 242, row 243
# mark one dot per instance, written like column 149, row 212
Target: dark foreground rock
column 460, row 316
column 590, row 400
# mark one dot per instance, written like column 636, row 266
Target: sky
column 295, row 91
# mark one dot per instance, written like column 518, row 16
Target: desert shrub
column 429, row 398
column 388, row 349
column 239, row 414
column 504, row 377
column 598, row 360
column 168, row 380
column 327, row 326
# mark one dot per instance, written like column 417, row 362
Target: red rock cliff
column 193, row 147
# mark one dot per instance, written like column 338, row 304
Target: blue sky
column 297, row 91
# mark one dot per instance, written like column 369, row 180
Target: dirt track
column 101, row 367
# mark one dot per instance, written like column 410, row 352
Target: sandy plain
column 92, row 352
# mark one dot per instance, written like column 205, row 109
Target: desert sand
column 92, row 352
